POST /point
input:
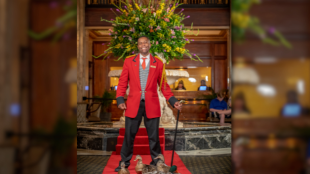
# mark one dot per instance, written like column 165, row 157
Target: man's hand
column 122, row 106
column 178, row 105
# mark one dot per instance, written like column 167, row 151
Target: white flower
column 144, row 10
column 137, row 19
column 154, row 14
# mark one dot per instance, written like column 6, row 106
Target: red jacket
column 130, row 74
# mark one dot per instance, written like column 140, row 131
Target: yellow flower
column 137, row 6
column 118, row 45
column 240, row 20
column 129, row 8
column 158, row 12
column 152, row 22
column 160, row 35
column 163, row 24
column 162, row 6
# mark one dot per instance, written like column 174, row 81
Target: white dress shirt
column 146, row 60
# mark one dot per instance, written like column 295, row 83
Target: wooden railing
column 186, row 3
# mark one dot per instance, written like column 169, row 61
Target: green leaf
column 42, row 35
column 67, row 16
column 197, row 32
column 282, row 39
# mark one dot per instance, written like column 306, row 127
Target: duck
column 162, row 167
column 123, row 169
column 143, row 168
column 161, row 157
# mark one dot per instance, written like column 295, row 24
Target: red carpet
column 141, row 143
column 114, row 161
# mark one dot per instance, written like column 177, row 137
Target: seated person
column 218, row 104
column 202, row 86
column 180, row 86
column 292, row 108
column 240, row 108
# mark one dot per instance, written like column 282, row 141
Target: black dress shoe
column 153, row 163
column 119, row 167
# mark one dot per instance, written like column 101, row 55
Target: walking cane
column 175, row 134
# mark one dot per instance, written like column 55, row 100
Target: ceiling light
column 192, row 79
column 266, row 90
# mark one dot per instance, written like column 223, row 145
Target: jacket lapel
column 135, row 66
column 153, row 66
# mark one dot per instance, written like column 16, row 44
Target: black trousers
column 132, row 126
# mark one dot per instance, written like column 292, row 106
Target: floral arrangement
column 159, row 22
column 242, row 21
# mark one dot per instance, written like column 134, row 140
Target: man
column 218, row 105
column 143, row 72
column 203, row 86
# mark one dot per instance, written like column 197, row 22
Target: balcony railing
column 186, row 3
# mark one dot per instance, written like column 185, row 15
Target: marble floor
column 204, row 152
column 215, row 164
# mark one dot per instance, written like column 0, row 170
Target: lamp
column 243, row 74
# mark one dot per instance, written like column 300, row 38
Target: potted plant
column 106, row 101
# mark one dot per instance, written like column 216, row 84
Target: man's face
column 144, row 45
column 219, row 98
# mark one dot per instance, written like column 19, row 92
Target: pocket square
column 153, row 66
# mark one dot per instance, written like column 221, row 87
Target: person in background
column 218, row 104
column 202, row 85
column 292, row 108
column 239, row 104
column 180, row 86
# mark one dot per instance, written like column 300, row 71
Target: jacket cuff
column 172, row 101
column 120, row 100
